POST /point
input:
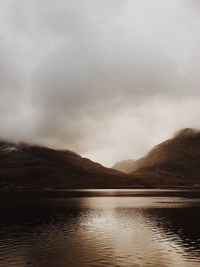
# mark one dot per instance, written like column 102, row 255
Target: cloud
column 107, row 78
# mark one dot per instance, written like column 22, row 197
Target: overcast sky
column 108, row 79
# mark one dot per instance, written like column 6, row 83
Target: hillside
column 26, row 166
column 173, row 162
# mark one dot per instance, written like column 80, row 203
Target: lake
column 154, row 228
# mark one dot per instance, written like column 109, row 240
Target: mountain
column 173, row 162
column 124, row 165
column 28, row 166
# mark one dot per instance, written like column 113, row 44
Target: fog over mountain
column 108, row 79
column 172, row 163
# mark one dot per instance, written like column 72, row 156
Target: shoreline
column 97, row 192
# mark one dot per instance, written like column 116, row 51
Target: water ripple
column 91, row 234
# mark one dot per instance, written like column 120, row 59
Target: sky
column 108, row 79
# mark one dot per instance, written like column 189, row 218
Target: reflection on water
column 101, row 231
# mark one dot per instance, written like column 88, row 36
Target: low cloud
column 107, row 79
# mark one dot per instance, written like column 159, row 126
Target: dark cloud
column 107, row 78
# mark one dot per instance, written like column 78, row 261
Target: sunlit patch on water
column 103, row 231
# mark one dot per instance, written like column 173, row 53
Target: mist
column 108, row 79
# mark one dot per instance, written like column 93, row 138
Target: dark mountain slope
column 173, row 162
column 27, row 166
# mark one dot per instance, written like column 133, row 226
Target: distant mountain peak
column 124, row 165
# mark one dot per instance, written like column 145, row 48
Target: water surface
column 115, row 229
